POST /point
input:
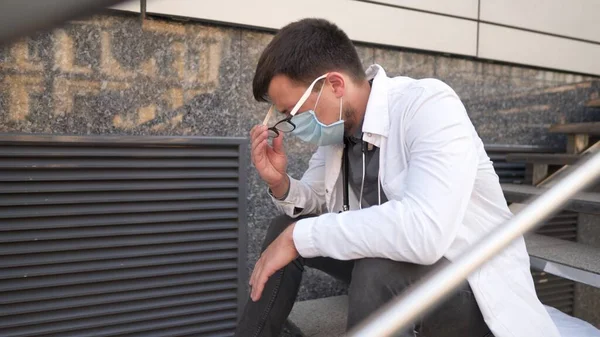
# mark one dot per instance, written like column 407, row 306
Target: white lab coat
column 443, row 192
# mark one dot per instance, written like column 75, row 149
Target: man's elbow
column 430, row 255
column 435, row 241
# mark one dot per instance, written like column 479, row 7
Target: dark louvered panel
column 554, row 291
column 510, row 173
column 561, row 226
column 121, row 236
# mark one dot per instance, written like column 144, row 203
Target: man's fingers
column 278, row 144
column 255, row 283
column 258, row 136
column 250, row 281
column 258, row 147
column 255, row 274
column 255, row 129
column 257, row 291
column 260, row 156
column 261, row 279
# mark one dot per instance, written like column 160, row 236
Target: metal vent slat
column 121, row 236
column 108, row 330
column 120, row 219
column 216, row 329
column 106, row 231
column 99, row 197
column 53, row 297
column 49, row 306
column 115, row 174
column 48, row 258
column 88, row 266
column 113, row 163
column 124, row 313
column 26, row 321
column 111, row 275
column 559, row 283
column 133, row 185
column 102, row 208
column 111, row 152
column 90, row 243
column 221, row 333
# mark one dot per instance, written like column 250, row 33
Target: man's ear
column 337, row 83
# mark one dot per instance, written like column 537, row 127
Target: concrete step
column 590, row 128
column 324, row 317
column 594, row 103
column 583, row 202
column 544, row 158
column 567, row 259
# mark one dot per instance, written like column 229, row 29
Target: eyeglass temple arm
column 268, row 116
column 305, row 96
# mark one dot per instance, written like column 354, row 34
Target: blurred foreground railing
column 401, row 312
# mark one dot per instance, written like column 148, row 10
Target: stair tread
column 594, row 103
column 510, row 148
column 324, row 317
column 572, row 254
column 544, row 158
column 589, row 128
column 584, row 202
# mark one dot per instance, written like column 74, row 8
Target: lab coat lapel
column 333, row 166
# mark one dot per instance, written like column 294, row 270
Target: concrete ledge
column 325, row 317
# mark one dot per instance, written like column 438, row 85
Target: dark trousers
column 372, row 283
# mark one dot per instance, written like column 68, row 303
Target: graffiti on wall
column 129, row 73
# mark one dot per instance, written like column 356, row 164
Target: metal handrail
column 439, row 284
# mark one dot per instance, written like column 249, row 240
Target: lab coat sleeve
column 307, row 195
column 420, row 227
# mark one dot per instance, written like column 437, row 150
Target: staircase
column 556, row 254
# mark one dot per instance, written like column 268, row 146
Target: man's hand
column 279, row 254
column 270, row 161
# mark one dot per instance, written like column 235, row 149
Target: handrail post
column 436, row 286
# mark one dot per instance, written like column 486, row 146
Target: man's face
column 285, row 93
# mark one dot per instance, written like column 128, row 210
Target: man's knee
column 374, row 282
column 379, row 278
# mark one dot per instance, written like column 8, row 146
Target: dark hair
column 304, row 50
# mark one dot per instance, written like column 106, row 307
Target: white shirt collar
column 377, row 118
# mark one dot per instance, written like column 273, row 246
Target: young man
column 399, row 184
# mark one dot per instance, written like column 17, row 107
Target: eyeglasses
column 285, row 125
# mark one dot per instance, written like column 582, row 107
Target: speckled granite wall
column 117, row 74
column 587, row 298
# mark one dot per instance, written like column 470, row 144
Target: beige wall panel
column 573, row 18
column 364, row 22
column 513, row 45
column 462, row 8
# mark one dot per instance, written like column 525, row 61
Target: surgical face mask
column 310, row 129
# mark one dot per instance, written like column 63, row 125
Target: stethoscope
column 345, row 165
